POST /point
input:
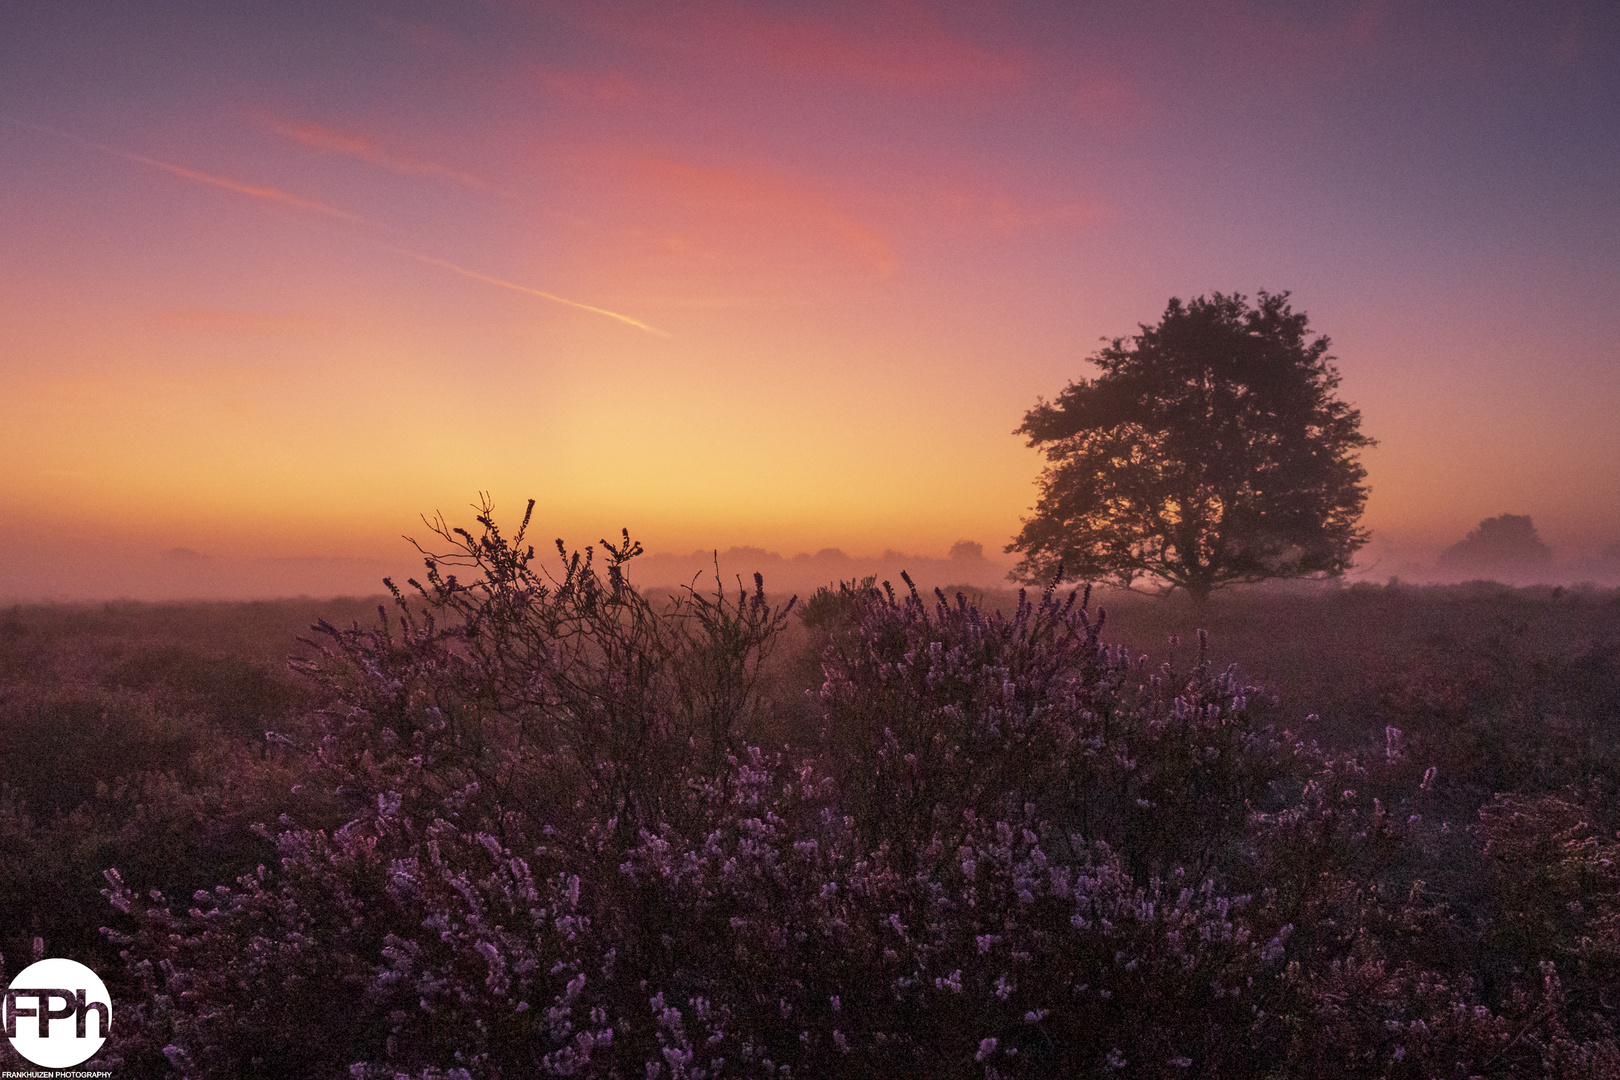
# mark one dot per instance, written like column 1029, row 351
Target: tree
column 1210, row 451
column 1507, row 545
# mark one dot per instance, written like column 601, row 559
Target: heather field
column 575, row 830
column 836, row 303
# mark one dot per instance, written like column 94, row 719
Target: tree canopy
column 1211, row 450
column 1505, row 545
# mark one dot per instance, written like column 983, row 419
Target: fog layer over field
column 183, row 573
column 77, row 573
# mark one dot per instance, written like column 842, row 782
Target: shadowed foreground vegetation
column 542, row 824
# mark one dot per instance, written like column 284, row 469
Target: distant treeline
column 967, row 564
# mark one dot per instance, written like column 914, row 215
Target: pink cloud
column 369, row 150
column 759, row 199
column 732, row 217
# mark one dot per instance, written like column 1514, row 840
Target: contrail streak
column 515, row 287
column 276, row 195
column 268, row 194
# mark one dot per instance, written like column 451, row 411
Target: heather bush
column 1006, row 849
column 1556, row 884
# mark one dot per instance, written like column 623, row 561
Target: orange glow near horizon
column 781, row 276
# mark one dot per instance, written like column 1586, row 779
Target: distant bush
column 1507, row 546
column 1010, row 850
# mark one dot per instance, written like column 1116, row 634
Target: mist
column 81, row 572
column 1507, row 548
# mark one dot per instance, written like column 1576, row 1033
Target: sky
column 276, row 279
